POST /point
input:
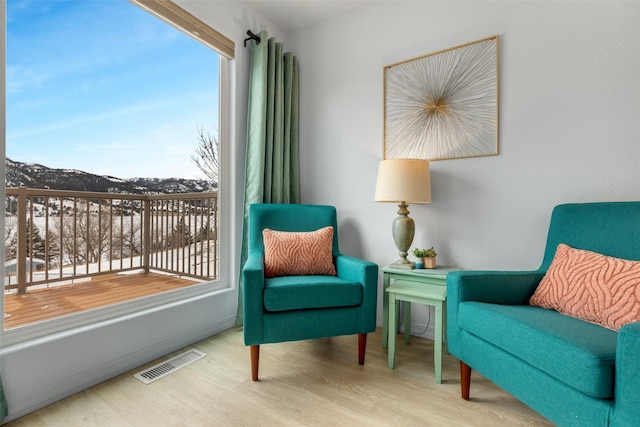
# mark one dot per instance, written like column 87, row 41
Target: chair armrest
column 366, row 273
column 252, row 291
column 626, row 410
column 497, row 287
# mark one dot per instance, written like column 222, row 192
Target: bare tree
column 10, row 241
column 87, row 234
column 206, row 157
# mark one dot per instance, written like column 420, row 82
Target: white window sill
column 89, row 318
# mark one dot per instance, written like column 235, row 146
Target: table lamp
column 403, row 181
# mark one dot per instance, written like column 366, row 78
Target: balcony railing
column 59, row 236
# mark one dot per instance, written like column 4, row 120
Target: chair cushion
column 295, row 253
column 591, row 287
column 577, row 353
column 302, row 292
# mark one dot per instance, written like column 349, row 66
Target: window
column 75, row 241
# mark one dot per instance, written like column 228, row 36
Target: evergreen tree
column 35, row 243
column 180, row 235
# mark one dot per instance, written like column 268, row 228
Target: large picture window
column 117, row 115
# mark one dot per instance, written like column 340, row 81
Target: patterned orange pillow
column 592, row 287
column 298, row 253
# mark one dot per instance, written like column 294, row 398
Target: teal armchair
column 291, row 308
column 573, row 372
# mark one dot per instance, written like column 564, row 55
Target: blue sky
column 103, row 86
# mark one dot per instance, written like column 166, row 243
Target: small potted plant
column 428, row 256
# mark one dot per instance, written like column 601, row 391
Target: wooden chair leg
column 362, row 346
column 255, row 359
column 465, row 379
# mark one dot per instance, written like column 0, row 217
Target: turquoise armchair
column 292, row 308
column 573, row 372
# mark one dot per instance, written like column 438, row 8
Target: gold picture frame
column 443, row 105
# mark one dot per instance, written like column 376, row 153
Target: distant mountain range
column 33, row 175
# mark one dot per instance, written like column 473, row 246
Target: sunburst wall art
column 443, row 105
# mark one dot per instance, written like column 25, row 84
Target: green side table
column 422, row 286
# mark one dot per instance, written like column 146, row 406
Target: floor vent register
column 163, row 369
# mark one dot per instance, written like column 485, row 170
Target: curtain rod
column 251, row 37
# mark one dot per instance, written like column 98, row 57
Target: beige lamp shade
column 403, row 180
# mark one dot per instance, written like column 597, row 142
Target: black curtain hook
column 251, row 37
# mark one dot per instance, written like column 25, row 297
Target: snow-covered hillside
column 33, row 175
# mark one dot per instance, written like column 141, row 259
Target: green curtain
column 4, row 408
column 272, row 171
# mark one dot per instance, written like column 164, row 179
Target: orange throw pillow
column 592, row 287
column 298, row 253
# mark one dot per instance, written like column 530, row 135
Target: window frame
column 115, row 312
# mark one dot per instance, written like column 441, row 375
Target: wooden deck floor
column 42, row 304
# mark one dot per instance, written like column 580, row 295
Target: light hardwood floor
column 305, row 383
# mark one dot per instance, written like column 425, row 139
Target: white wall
column 41, row 371
column 569, row 123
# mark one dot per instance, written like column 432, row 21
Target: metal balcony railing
column 55, row 236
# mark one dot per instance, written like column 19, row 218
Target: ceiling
column 290, row 15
